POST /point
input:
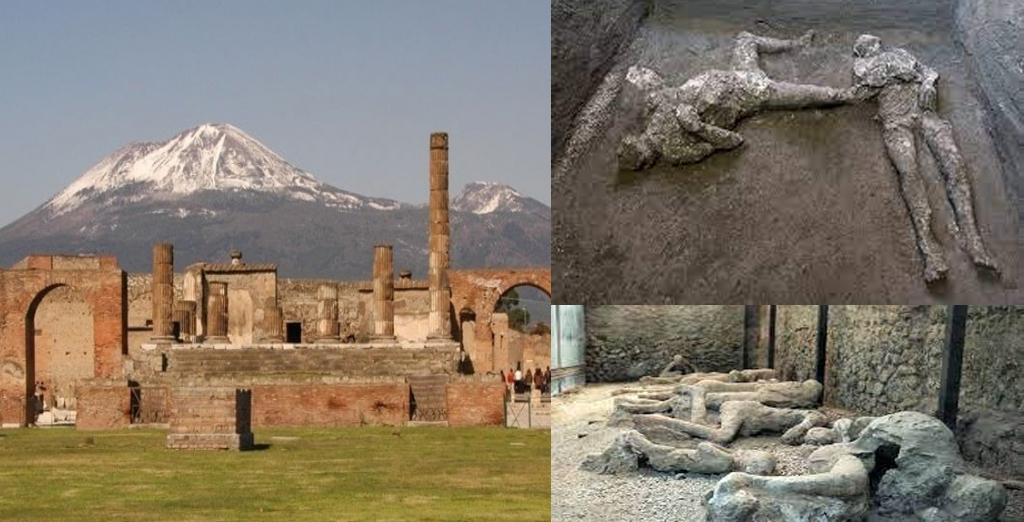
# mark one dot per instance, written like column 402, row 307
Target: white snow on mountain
column 484, row 197
column 218, row 157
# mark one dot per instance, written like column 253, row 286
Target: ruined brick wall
column 330, row 405
column 627, row 342
column 796, row 341
column 476, row 403
column 102, row 407
column 64, row 345
column 267, row 365
column 476, row 293
column 101, row 284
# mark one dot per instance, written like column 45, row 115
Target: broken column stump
column 210, row 418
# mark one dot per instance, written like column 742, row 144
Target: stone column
column 163, row 292
column 185, row 316
column 440, row 289
column 383, row 293
column 327, row 309
column 217, row 314
column 273, row 322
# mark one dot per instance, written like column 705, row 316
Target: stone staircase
column 345, row 362
column 429, row 401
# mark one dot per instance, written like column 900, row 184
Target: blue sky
column 348, row 91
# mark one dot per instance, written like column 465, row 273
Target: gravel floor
column 578, row 430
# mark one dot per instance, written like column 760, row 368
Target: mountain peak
column 485, row 197
column 208, row 157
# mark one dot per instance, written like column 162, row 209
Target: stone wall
column 102, row 407
column 210, row 418
column 97, row 281
column 627, row 342
column 262, row 364
column 330, row 405
column 298, row 301
column 883, row 359
column 991, row 425
column 64, row 345
column 476, row 403
column 796, row 340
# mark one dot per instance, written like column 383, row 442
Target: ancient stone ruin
column 876, row 435
column 82, row 342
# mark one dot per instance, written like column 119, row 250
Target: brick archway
column 479, row 291
column 101, row 284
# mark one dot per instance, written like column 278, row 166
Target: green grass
column 343, row 474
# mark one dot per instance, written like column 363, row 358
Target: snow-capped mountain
column 218, row 157
column 484, row 197
column 214, row 188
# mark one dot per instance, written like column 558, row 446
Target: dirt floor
column 808, row 209
column 578, row 430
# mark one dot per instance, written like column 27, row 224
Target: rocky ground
column 578, row 430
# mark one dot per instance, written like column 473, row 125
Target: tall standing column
column 440, row 289
column 217, row 314
column 273, row 322
column 163, row 292
column 185, row 316
column 383, row 293
column 327, row 308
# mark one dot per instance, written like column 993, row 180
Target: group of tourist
column 533, row 379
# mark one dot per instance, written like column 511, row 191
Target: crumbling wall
column 991, row 427
column 298, row 301
column 259, row 365
column 476, row 402
column 884, row 359
column 627, row 342
column 102, row 407
column 247, row 291
column 64, row 345
column 330, row 405
column 796, row 334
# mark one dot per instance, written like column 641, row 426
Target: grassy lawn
column 342, row 474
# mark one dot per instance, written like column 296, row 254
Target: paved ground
column 807, row 210
column 578, row 430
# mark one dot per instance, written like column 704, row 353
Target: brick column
column 273, row 322
column 217, row 314
column 327, row 313
column 163, row 292
column 383, row 293
column 185, row 316
column 440, row 289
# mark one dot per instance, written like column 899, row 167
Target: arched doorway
column 521, row 328
column 59, row 354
